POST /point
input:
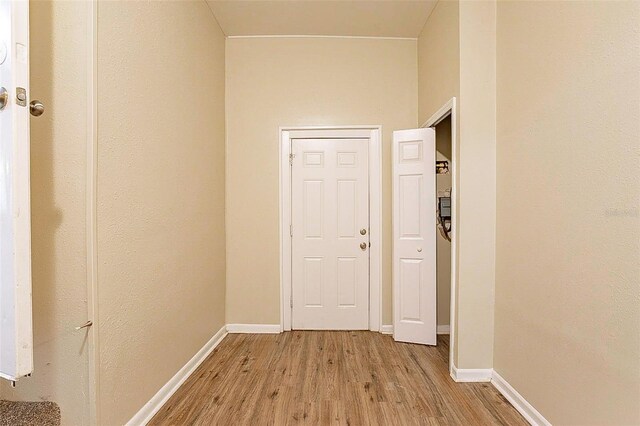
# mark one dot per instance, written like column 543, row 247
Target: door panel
column 410, row 191
column 16, row 336
column 330, row 205
column 347, row 208
column 414, row 236
column 313, row 267
column 347, row 276
column 409, row 285
column 313, row 208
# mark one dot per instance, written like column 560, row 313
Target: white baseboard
column 386, row 329
column 254, row 328
column 145, row 414
column 275, row 328
column 464, row 375
column 528, row 412
column 443, row 329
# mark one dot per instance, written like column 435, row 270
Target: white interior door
column 414, row 236
column 16, row 336
column 330, row 234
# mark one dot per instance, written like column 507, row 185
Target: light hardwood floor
column 320, row 377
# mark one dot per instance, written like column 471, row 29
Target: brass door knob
column 4, row 98
column 363, row 246
column 363, row 231
column 36, row 108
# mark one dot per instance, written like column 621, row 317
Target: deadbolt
column 4, row 98
column 363, row 231
column 36, row 108
column 363, row 246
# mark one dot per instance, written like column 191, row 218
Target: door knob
column 363, row 231
column 363, row 246
column 4, row 98
column 419, row 249
column 36, row 108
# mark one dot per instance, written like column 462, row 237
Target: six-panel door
column 330, row 221
column 414, row 238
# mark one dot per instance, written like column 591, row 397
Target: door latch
column 21, row 96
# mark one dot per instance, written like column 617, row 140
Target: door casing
column 450, row 109
column 374, row 135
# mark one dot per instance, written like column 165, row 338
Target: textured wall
column 476, row 184
column 438, row 59
column 567, row 332
column 161, row 255
column 58, row 139
column 295, row 82
column 456, row 52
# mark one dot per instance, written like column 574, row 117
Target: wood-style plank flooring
column 320, row 377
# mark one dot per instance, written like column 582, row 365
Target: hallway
column 184, row 182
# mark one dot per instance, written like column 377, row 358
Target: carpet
column 17, row 413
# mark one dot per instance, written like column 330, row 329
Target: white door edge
column 16, row 325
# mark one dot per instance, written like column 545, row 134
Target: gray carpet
column 29, row 413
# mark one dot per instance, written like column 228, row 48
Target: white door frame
column 91, row 212
column 374, row 134
column 449, row 108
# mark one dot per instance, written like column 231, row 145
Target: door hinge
column 291, row 302
column 291, row 230
column 291, row 157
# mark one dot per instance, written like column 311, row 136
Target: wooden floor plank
column 331, row 378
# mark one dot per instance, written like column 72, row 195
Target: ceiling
column 383, row 18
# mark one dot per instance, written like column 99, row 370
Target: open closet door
column 16, row 336
column 414, row 236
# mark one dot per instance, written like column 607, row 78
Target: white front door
column 16, row 337
column 414, row 236
column 330, row 234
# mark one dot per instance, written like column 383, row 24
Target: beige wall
column 295, row 82
column 438, row 59
column 58, row 140
column 456, row 52
column 476, row 170
column 567, row 332
column 161, row 254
